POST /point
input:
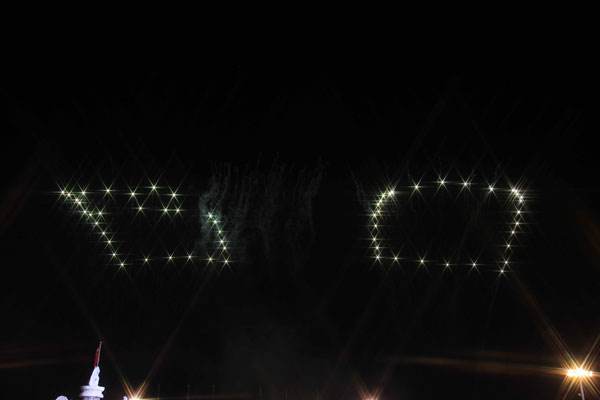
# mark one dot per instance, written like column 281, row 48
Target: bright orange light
column 579, row 373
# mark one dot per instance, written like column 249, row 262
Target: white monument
column 92, row 391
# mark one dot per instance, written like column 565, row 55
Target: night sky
column 291, row 160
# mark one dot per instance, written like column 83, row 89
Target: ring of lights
column 96, row 217
column 387, row 256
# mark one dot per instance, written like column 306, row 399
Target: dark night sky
column 296, row 318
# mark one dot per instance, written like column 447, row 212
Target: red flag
column 97, row 357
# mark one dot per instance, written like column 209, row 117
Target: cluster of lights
column 382, row 254
column 141, row 197
column 96, row 218
column 221, row 240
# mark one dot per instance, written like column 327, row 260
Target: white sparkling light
column 382, row 200
column 579, row 373
column 85, row 206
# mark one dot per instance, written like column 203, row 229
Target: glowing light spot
column 491, row 188
column 579, row 373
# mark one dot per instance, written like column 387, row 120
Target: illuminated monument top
column 92, row 391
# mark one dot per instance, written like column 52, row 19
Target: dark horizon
column 287, row 157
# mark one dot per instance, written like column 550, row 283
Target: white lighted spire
column 92, row 391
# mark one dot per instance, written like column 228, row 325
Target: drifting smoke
column 266, row 215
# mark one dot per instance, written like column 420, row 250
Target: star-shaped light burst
column 514, row 199
column 94, row 206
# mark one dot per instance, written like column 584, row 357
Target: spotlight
column 579, row 373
